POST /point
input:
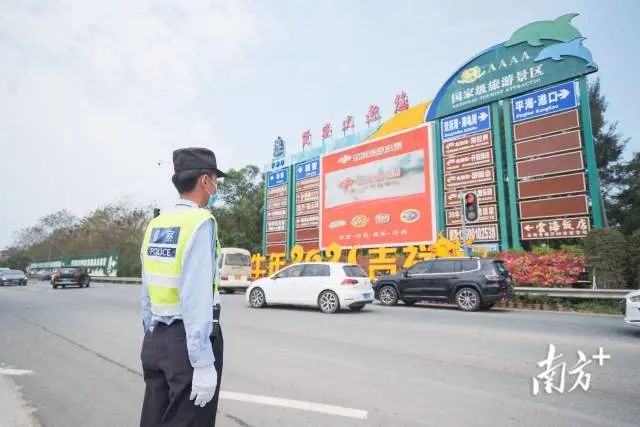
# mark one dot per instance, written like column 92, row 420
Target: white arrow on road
column 563, row 93
column 482, row 116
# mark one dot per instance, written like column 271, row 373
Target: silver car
column 13, row 277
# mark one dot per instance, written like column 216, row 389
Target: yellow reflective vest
column 165, row 242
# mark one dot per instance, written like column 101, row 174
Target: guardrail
column 520, row 290
column 574, row 293
column 121, row 280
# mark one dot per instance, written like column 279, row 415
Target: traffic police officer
column 183, row 345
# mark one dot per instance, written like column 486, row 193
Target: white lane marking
column 296, row 404
column 14, row 372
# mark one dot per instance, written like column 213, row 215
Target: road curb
column 13, row 407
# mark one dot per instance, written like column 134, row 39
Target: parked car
column 631, row 308
column 13, row 277
column 45, row 275
column 471, row 283
column 328, row 285
column 235, row 269
column 70, row 276
column 41, row 275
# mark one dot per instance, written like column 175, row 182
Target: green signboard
column 105, row 264
column 534, row 75
column 536, row 55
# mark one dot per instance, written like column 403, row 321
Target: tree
column 625, row 207
column 17, row 260
column 619, row 180
column 115, row 228
column 633, row 258
column 239, row 214
column 606, row 252
column 609, row 143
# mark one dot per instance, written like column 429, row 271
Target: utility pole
column 463, row 229
column 50, row 249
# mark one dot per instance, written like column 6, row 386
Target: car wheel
column 356, row 307
column 388, row 295
column 256, row 298
column 468, row 299
column 409, row 302
column 55, row 286
column 64, row 286
column 328, row 302
column 488, row 306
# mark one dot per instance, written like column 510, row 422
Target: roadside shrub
column 606, row 252
column 549, row 269
column 633, row 259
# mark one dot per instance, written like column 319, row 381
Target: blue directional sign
column 474, row 121
column 277, row 177
column 307, row 169
column 543, row 102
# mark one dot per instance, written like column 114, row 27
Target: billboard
column 277, row 211
column 550, row 167
column 307, row 205
column 380, row 192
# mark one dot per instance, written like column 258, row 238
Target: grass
column 599, row 306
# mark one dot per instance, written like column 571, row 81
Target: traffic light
column 470, row 207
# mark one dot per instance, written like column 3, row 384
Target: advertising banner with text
column 380, row 192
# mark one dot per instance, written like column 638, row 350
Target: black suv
column 471, row 283
column 70, row 276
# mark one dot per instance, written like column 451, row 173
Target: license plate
column 238, row 277
column 366, row 296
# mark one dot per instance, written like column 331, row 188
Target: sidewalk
column 14, row 411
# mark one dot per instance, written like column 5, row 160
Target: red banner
column 379, row 192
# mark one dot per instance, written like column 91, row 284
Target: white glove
column 203, row 385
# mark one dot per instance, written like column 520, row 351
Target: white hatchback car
column 632, row 308
column 327, row 285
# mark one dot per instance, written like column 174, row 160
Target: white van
column 235, row 269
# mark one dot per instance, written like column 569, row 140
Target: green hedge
column 633, row 259
column 606, row 250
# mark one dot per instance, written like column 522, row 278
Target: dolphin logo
column 573, row 48
column 559, row 29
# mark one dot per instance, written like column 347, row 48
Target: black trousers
column 168, row 374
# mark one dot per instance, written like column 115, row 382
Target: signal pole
column 463, row 229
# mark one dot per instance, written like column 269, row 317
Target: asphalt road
column 398, row 366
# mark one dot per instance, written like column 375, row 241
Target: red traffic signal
column 470, row 209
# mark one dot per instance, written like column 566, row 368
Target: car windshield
column 237, row 259
column 11, row 272
column 69, row 270
column 500, row 266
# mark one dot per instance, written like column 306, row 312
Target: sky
column 94, row 94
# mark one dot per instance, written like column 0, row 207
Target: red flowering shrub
column 557, row 269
